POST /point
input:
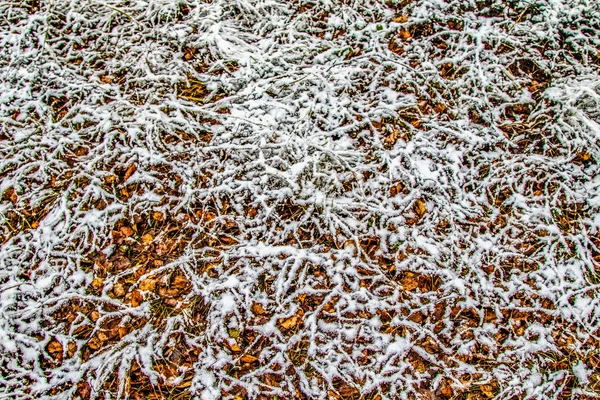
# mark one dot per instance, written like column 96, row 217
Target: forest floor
column 323, row 199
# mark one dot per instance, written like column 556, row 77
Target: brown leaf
column 409, row 282
column 180, row 283
column 94, row 343
column 71, row 349
column 401, row 19
column 405, row 34
column 391, row 139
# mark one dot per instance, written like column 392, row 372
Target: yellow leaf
column 420, row 208
column 147, row 238
column 147, row 284
column 401, row 19
column 289, row 323
column 158, row 216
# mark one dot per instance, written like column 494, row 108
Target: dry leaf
column 146, row 239
column 180, row 283
column 97, row 284
column 401, row 19
column 71, row 349
column 247, row 358
column 158, row 216
column 409, row 282
column 257, row 309
column 391, row 139
column 487, row 390
column 55, row 347
column 289, row 323
column 148, row 284
column 405, row 34
column 35, row 224
column 234, row 347
column 118, row 290
column 136, row 298
column 132, row 168
column 126, row 231
column 94, row 343
column 420, row 208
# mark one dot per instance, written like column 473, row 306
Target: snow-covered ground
column 299, row 199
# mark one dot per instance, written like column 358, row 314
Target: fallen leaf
column 234, row 347
column 136, row 298
column 158, row 216
column 180, row 283
column 401, row 19
column 247, row 358
column 97, row 284
column 405, row 34
column 126, row 231
column 289, row 323
column 35, row 224
column 148, row 284
column 420, row 208
column 55, row 347
column 391, row 139
column 94, row 343
column 409, row 282
column 132, row 168
column 71, row 349
column 118, row 290
column 487, row 390
column 257, row 309
column 146, row 239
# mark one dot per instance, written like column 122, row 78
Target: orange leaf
column 257, row 309
column 420, row 208
column 158, row 216
column 147, row 238
column 132, row 168
column 247, row 358
column 136, row 298
column 55, row 347
column 126, row 231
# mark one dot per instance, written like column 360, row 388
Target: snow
column 309, row 97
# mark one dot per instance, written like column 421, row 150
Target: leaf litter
column 304, row 199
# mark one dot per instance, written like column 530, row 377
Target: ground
column 312, row 199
